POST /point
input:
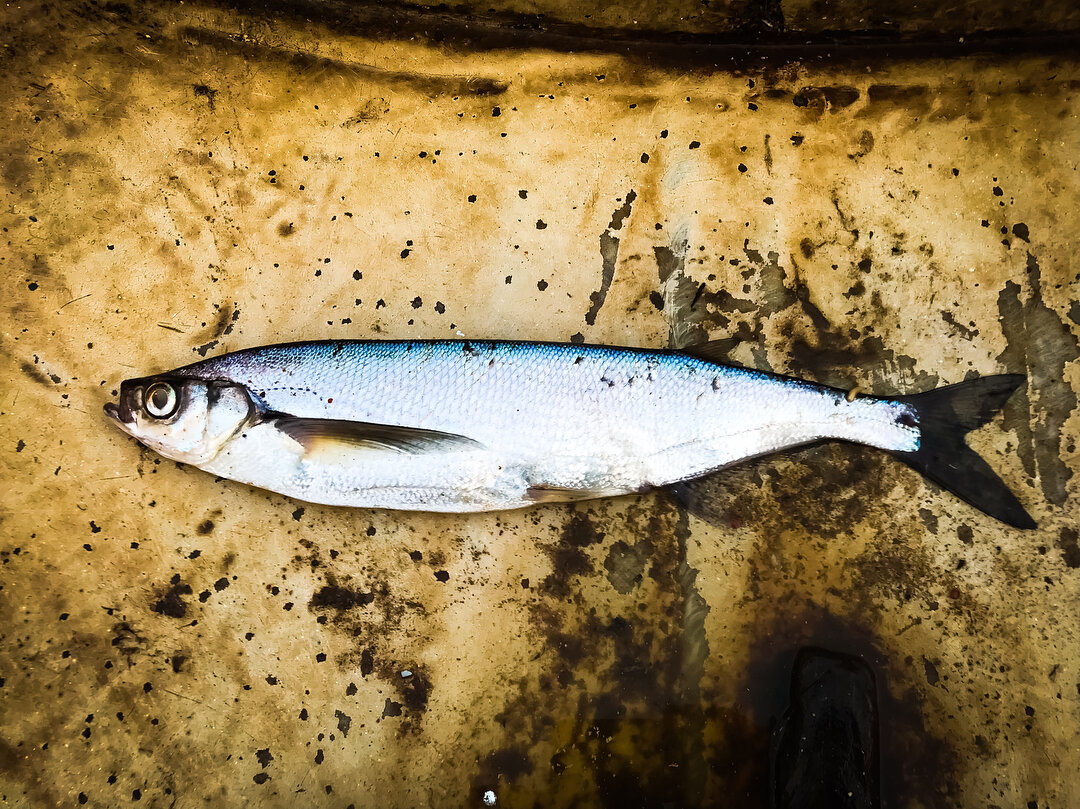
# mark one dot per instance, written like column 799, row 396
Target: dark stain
column 1070, row 549
column 391, row 708
column 201, row 90
column 339, row 598
column 821, row 99
column 205, row 347
column 344, row 722
column 205, row 527
column 308, row 63
column 127, row 640
column 896, row 92
column 36, row 374
column 1020, row 231
column 755, row 39
column 177, row 661
column 930, row 672
column 170, row 602
column 966, row 332
column 609, row 254
column 223, row 324
column 1038, row 340
column 367, row 662
column 264, row 757
column 286, row 229
column 569, row 558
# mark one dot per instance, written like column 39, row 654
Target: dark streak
column 305, row 62
column 609, row 254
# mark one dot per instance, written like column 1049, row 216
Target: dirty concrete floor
column 183, row 180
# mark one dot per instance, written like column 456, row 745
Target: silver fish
column 460, row 426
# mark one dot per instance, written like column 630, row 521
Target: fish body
column 466, row 426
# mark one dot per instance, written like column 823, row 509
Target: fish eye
column 161, row 400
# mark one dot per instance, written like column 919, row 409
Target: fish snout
column 121, row 411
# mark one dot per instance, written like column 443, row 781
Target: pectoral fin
column 321, row 436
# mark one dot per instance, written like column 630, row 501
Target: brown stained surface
column 180, row 181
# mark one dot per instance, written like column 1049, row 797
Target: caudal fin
column 945, row 416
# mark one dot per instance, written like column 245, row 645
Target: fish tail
column 945, row 416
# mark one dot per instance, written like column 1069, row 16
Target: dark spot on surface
column 286, row 229
column 856, row 290
column 94, row 528
column 541, row 285
column 541, row 224
column 644, row 157
column 440, row 308
column 797, row 140
column 417, row 302
column 997, row 191
column 416, row 556
column 221, row 584
column 339, row 598
column 344, row 722
column 965, row 332
column 1070, row 549
column 930, row 671
column 657, row 300
column 177, row 662
column 442, row 575
column 204, row 528
column 20, row 445
column 694, row 144
column 391, row 708
column 577, row 339
column 264, row 757
column 742, row 168
column 1020, row 231
column 201, row 90
column 298, row 513
column 367, row 662
column 170, row 601
column 260, row 777
column 205, row 347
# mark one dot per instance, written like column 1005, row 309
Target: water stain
column 1040, row 341
column 609, row 255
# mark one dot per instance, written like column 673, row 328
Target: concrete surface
column 182, row 180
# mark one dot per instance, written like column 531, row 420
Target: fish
column 489, row 425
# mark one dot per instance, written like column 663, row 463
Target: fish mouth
column 121, row 412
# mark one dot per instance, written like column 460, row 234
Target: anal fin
column 543, row 493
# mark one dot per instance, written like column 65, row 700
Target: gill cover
column 187, row 420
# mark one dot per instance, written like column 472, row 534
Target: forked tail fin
column 945, row 416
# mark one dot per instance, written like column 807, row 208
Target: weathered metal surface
column 181, row 180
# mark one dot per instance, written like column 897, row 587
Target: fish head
column 184, row 419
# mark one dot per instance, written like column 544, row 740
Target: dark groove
column 755, row 44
